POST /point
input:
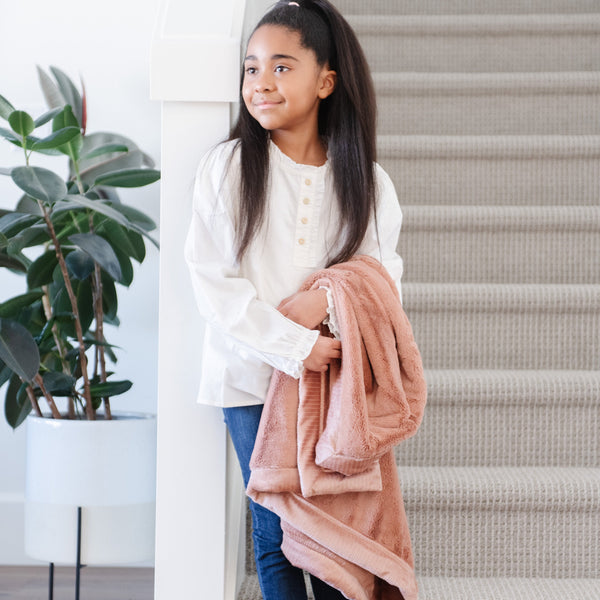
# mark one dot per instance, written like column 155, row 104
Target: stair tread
column 356, row 7
column 501, row 488
column 495, row 386
column 406, row 82
column 490, row 146
column 470, row 218
column 476, row 23
column 479, row 588
column 502, row 297
column 507, row 588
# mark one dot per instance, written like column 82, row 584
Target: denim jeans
column 278, row 578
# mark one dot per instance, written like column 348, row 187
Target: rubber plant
column 73, row 240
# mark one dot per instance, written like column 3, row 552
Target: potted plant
column 73, row 240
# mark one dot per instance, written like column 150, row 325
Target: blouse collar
column 286, row 161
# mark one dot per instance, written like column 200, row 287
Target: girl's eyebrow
column 274, row 57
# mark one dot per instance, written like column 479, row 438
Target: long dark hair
column 347, row 120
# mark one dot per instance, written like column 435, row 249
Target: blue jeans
column 278, row 578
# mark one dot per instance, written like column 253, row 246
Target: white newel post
column 194, row 73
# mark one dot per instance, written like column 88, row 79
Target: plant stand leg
column 79, row 565
column 51, row 582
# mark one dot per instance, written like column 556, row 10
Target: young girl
column 294, row 189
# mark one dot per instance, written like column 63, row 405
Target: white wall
column 108, row 43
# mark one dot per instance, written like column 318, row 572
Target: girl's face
column 283, row 83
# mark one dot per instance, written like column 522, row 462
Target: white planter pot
column 106, row 467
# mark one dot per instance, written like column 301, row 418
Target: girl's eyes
column 278, row 69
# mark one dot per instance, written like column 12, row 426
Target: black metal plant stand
column 78, row 566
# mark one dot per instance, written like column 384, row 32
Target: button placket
column 304, row 220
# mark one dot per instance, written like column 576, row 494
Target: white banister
column 195, row 62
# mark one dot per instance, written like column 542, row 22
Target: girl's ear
column 328, row 81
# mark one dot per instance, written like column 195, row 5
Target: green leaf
column 14, row 222
column 5, row 373
column 57, row 138
column 3, row 241
column 126, row 268
column 39, row 183
column 69, row 92
column 80, row 264
column 129, row 178
column 59, row 384
column 110, row 302
column 85, row 304
column 18, row 349
column 106, row 149
column 5, row 108
column 99, row 250
column 21, row 122
column 136, row 217
column 10, row 136
column 110, row 388
column 47, row 116
column 28, row 205
column 118, row 238
column 100, row 207
column 13, row 263
column 137, row 241
column 31, row 236
column 52, row 94
column 16, row 403
column 12, row 307
column 41, row 270
column 64, row 119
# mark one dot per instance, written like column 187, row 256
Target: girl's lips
column 266, row 104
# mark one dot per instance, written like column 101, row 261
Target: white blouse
column 245, row 336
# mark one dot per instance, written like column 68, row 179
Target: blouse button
column 301, row 241
column 304, row 220
column 307, row 181
column 306, row 200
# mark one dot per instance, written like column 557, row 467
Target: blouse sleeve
column 225, row 298
column 381, row 238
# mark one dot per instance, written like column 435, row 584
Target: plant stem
column 33, row 400
column 59, row 345
column 89, row 409
column 99, row 333
column 55, row 412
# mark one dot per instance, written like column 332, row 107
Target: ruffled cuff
column 295, row 368
column 331, row 318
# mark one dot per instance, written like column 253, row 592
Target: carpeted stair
column 490, row 127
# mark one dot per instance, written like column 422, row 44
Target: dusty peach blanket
column 323, row 459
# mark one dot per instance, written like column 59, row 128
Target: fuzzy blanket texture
column 323, row 458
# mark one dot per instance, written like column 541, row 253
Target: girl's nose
column 264, row 83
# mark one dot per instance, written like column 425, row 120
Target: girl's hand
column 324, row 351
column 305, row 308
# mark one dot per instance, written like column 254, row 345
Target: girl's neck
column 304, row 149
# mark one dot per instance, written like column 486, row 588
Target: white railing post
column 194, row 73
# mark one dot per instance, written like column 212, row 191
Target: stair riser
column 456, row 51
column 455, row 180
column 497, row 542
column 495, row 112
column 451, row 7
column 546, row 256
column 517, row 435
column 515, row 338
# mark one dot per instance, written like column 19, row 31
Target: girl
column 294, row 189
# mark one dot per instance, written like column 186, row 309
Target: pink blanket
column 323, row 459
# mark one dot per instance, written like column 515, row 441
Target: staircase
column 490, row 128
